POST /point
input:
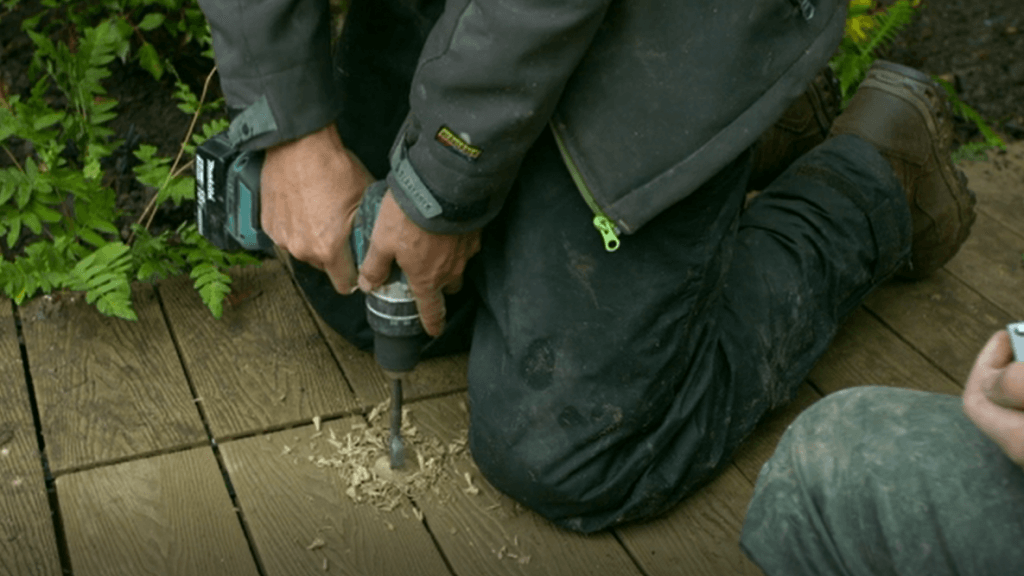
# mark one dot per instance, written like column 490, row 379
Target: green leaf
column 91, row 237
column 151, row 21
column 32, row 222
column 150, row 61
column 92, row 169
column 10, row 180
column 47, row 214
column 179, row 189
column 212, row 285
column 14, row 230
column 124, row 47
column 115, row 304
column 47, row 120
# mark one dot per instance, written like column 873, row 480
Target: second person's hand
column 310, row 191
column 994, row 396
column 433, row 263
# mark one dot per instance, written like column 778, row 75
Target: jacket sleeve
column 274, row 56
column 486, row 85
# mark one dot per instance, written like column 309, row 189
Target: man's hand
column 433, row 263
column 994, row 396
column 310, row 191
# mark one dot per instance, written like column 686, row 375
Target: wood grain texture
column 486, row 533
column 990, row 262
column 28, row 546
column 700, row 536
column 168, row 514
column 432, row 377
column 865, row 352
column 941, row 317
column 999, row 184
column 758, row 448
column 107, row 389
column 289, row 504
column 263, row 364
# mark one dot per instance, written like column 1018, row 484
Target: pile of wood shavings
column 362, row 460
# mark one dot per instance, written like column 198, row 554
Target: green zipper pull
column 602, row 222
column 606, row 227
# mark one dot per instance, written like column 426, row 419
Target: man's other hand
column 994, row 396
column 433, row 263
column 310, row 191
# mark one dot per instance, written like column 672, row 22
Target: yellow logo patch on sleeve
column 448, row 138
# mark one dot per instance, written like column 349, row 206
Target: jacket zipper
column 604, row 225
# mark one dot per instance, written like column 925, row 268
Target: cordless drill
column 228, row 215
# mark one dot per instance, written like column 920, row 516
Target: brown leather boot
column 804, row 125
column 904, row 114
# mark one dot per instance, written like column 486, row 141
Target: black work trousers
column 605, row 387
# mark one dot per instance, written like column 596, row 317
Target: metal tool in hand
column 228, row 215
column 1016, row 331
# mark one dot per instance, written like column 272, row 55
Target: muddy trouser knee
column 605, row 387
column 884, row 481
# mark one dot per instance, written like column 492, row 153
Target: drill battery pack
column 227, row 196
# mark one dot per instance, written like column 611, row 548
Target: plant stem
column 181, row 170
column 13, row 159
column 150, row 211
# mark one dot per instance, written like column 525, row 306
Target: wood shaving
column 316, row 423
column 325, row 565
column 361, row 458
column 316, row 544
column 471, row 489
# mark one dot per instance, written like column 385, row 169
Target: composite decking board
column 866, row 352
column 263, row 364
column 940, row 316
column 999, row 184
column 432, row 377
column 167, row 514
column 107, row 389
column 487, row 533
column 290, row 505
column 700, row 536
column 990, row 262
column 28, row 545
column 758, row 448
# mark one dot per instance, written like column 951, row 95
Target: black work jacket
column 647, row 98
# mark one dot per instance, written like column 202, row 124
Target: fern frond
column 44, row 267
column 888, row 25
column 209, row 265
column 103, row 275
column 213, row 286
